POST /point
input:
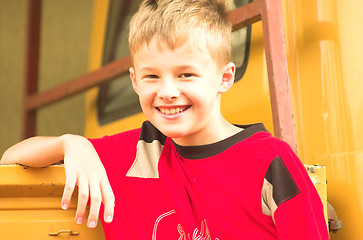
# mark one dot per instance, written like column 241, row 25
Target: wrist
column 71, row 142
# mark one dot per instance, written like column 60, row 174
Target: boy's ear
column 228, row 72
column 133, row 79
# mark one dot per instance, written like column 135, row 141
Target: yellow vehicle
column 324, row 51
column 325, row 71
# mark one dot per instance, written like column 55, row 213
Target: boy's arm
column 35, row 152
column 82, row 167
column 299, row 213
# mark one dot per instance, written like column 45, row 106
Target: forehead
column 156, row 45
column 158, row 54
column 172, row 43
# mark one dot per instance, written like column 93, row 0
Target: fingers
column 98, row 192
column 96, row 199
column 108, row 201
column 68, row 191
column 94, row 190
column 84, row 168
column 83, row 195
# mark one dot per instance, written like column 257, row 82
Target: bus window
column 117, row 98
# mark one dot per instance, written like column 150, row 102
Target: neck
column 215, row 133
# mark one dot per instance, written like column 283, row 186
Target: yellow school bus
column 324, row 49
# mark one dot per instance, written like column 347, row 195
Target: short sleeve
column 289, row 196
column 299, row 210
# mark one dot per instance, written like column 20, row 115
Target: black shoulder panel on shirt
column 284, row 186
column 149, row 133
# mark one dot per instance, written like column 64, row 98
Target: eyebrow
column 184, row 67
column 179, row 68
column 147, row 69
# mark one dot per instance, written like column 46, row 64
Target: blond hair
column 202, row 23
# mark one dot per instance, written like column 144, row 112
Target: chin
column 173, row 134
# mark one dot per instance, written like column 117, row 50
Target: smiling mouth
column 172, row 110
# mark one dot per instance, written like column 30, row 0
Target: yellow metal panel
column 324, row 48
column 30, row 200
column 37, row 224
column 317, row 174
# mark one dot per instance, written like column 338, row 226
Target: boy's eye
column 185, row 75
column 151, row 76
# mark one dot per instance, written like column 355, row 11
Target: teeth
column 170, row 111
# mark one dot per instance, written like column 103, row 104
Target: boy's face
column 179, row 91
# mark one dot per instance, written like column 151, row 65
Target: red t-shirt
column 248, row 186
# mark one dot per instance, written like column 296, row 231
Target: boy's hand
column 84, row 169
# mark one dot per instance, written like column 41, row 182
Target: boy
column 187, row 173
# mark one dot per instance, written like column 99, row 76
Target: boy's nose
column 168, row 91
